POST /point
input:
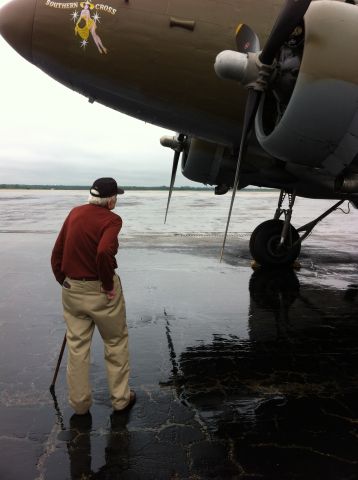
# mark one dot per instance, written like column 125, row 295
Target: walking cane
column 52, row 386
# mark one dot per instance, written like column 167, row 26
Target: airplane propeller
column 176, row 144
column 289, row 18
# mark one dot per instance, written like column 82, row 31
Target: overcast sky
column 51, row 135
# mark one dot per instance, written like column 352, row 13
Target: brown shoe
column 132, row 400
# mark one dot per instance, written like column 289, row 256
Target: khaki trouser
column 84, row 307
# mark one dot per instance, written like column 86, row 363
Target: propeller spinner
column 254, row 71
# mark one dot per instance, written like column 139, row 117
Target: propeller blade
column 290, row 16
column 172, row 180
column 252, row 104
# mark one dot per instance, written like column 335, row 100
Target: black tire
column 264, row 242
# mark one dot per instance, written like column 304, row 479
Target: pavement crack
column 232, row 457
column 307, row 449
column 49, row 448
column 341, row 417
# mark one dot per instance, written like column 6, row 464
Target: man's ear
column 111, row 203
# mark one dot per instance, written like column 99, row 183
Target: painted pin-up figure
column 86, row 25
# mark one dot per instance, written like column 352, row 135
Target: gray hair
column 101, row 202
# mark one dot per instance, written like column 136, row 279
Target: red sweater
column 87, row 245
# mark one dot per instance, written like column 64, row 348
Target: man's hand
column 110, row 293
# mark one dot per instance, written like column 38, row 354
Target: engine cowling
column 208, row 163
column 319, row 126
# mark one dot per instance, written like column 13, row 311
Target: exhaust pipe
column 348, row 184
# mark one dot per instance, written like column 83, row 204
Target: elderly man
column 83, row 262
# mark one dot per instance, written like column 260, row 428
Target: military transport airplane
column 262, row 92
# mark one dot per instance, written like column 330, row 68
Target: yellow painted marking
column 239, row 28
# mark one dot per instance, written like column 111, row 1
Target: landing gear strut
column 276, row 242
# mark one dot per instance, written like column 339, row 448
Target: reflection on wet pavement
column 283, row 402
column 239, row 374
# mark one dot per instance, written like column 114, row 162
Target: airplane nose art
column 16, row 25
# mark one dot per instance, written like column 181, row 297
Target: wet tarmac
column 239, row 374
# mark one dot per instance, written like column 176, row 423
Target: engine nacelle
column 319, row 127
column 207, row 163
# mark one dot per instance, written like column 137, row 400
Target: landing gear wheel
column 265, row 240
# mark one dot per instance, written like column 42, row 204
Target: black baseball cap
column 105, row 187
